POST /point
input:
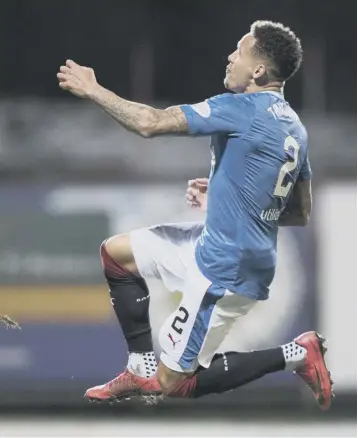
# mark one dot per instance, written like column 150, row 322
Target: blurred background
column 70, row 177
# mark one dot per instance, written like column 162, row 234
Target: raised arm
column 299, row 205
column 136, row 117
column 139, row 118
column 224, row 113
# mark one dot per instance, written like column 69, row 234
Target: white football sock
column 294, row 354
column 142, row 364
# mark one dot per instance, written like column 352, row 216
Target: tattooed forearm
column 139, row 118
column 298, row 209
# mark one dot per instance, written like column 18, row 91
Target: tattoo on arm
column 299, row 206
column 139, row 118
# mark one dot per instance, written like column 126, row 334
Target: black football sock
column 229, row 371
column 130, row 299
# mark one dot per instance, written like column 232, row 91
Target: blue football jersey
column 259, row 150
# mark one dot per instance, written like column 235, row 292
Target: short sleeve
column 225, row 113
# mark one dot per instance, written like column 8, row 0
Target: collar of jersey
column 275, row 93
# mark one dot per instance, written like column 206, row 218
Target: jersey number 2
column 283, row 190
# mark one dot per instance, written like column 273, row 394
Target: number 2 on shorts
column 180, row 319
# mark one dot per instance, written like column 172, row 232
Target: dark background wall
column 188, row 41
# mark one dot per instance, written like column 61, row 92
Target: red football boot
column 314, row 371
column 125, row 385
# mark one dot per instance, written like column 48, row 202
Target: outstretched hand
column 79, row 80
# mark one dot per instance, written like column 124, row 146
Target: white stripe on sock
column 142, row 364
column 294, row 354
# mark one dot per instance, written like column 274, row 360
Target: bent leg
column 191, row 337
column 128, row 260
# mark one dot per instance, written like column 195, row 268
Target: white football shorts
column 191, row 336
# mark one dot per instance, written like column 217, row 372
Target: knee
column 117, row 249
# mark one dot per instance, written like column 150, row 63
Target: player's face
column 242, row 66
